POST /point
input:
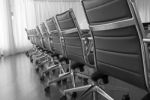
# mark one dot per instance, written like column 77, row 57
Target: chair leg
column 102, row 92
column 73, row 79
column 89, row 90
column 76, row 89
column 97, row 89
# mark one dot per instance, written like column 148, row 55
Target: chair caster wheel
column 36, row 62
column 74, row 95
column 79, row 66
column 81, row 69
column 64, row 81
column 47, row 90
column 85, row 81
column 41, row 66
column 63, row 97
column 27, row 54
column 67, row 70
column 47, row 74
column 96, row 76
column 31, row 60
column 59, row 83
column 53, row 71
column 126, row 97
column 37, row 70
column 42, row 78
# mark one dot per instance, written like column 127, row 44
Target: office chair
column 48, row 54
column 32, row 37
column 56, row 42
column 37, row 57
column 74, row 40
column 118, row 34
column 47, row 40
column 39, row 45
column 58, row 49
column 29, row 38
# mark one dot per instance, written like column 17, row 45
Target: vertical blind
column 6, row 40
column 23, row 17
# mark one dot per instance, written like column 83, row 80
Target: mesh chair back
column 71, row 35
column 117, row 34
column 55, row 35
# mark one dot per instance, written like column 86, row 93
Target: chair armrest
column 146, row 40
column 63, row 76
column 51, row 68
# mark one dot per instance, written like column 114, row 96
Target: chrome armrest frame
column 146, row 40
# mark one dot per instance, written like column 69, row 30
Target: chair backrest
column 72, row 35
column 38, row 38
column 117, row 33
column 30, row 35
column 38, row 31
column 46, row 37
column 55, row 35
column 33, row 36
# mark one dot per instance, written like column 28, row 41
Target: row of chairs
column 115, row 45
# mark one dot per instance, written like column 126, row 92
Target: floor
column 18, row 80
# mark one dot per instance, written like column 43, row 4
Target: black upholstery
column 146, row 97
column 57, row 46
column 106, row 10
column 96, row 76
column 118, row 50
column 72, row 40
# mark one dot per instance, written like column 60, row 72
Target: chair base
column 88, row 89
